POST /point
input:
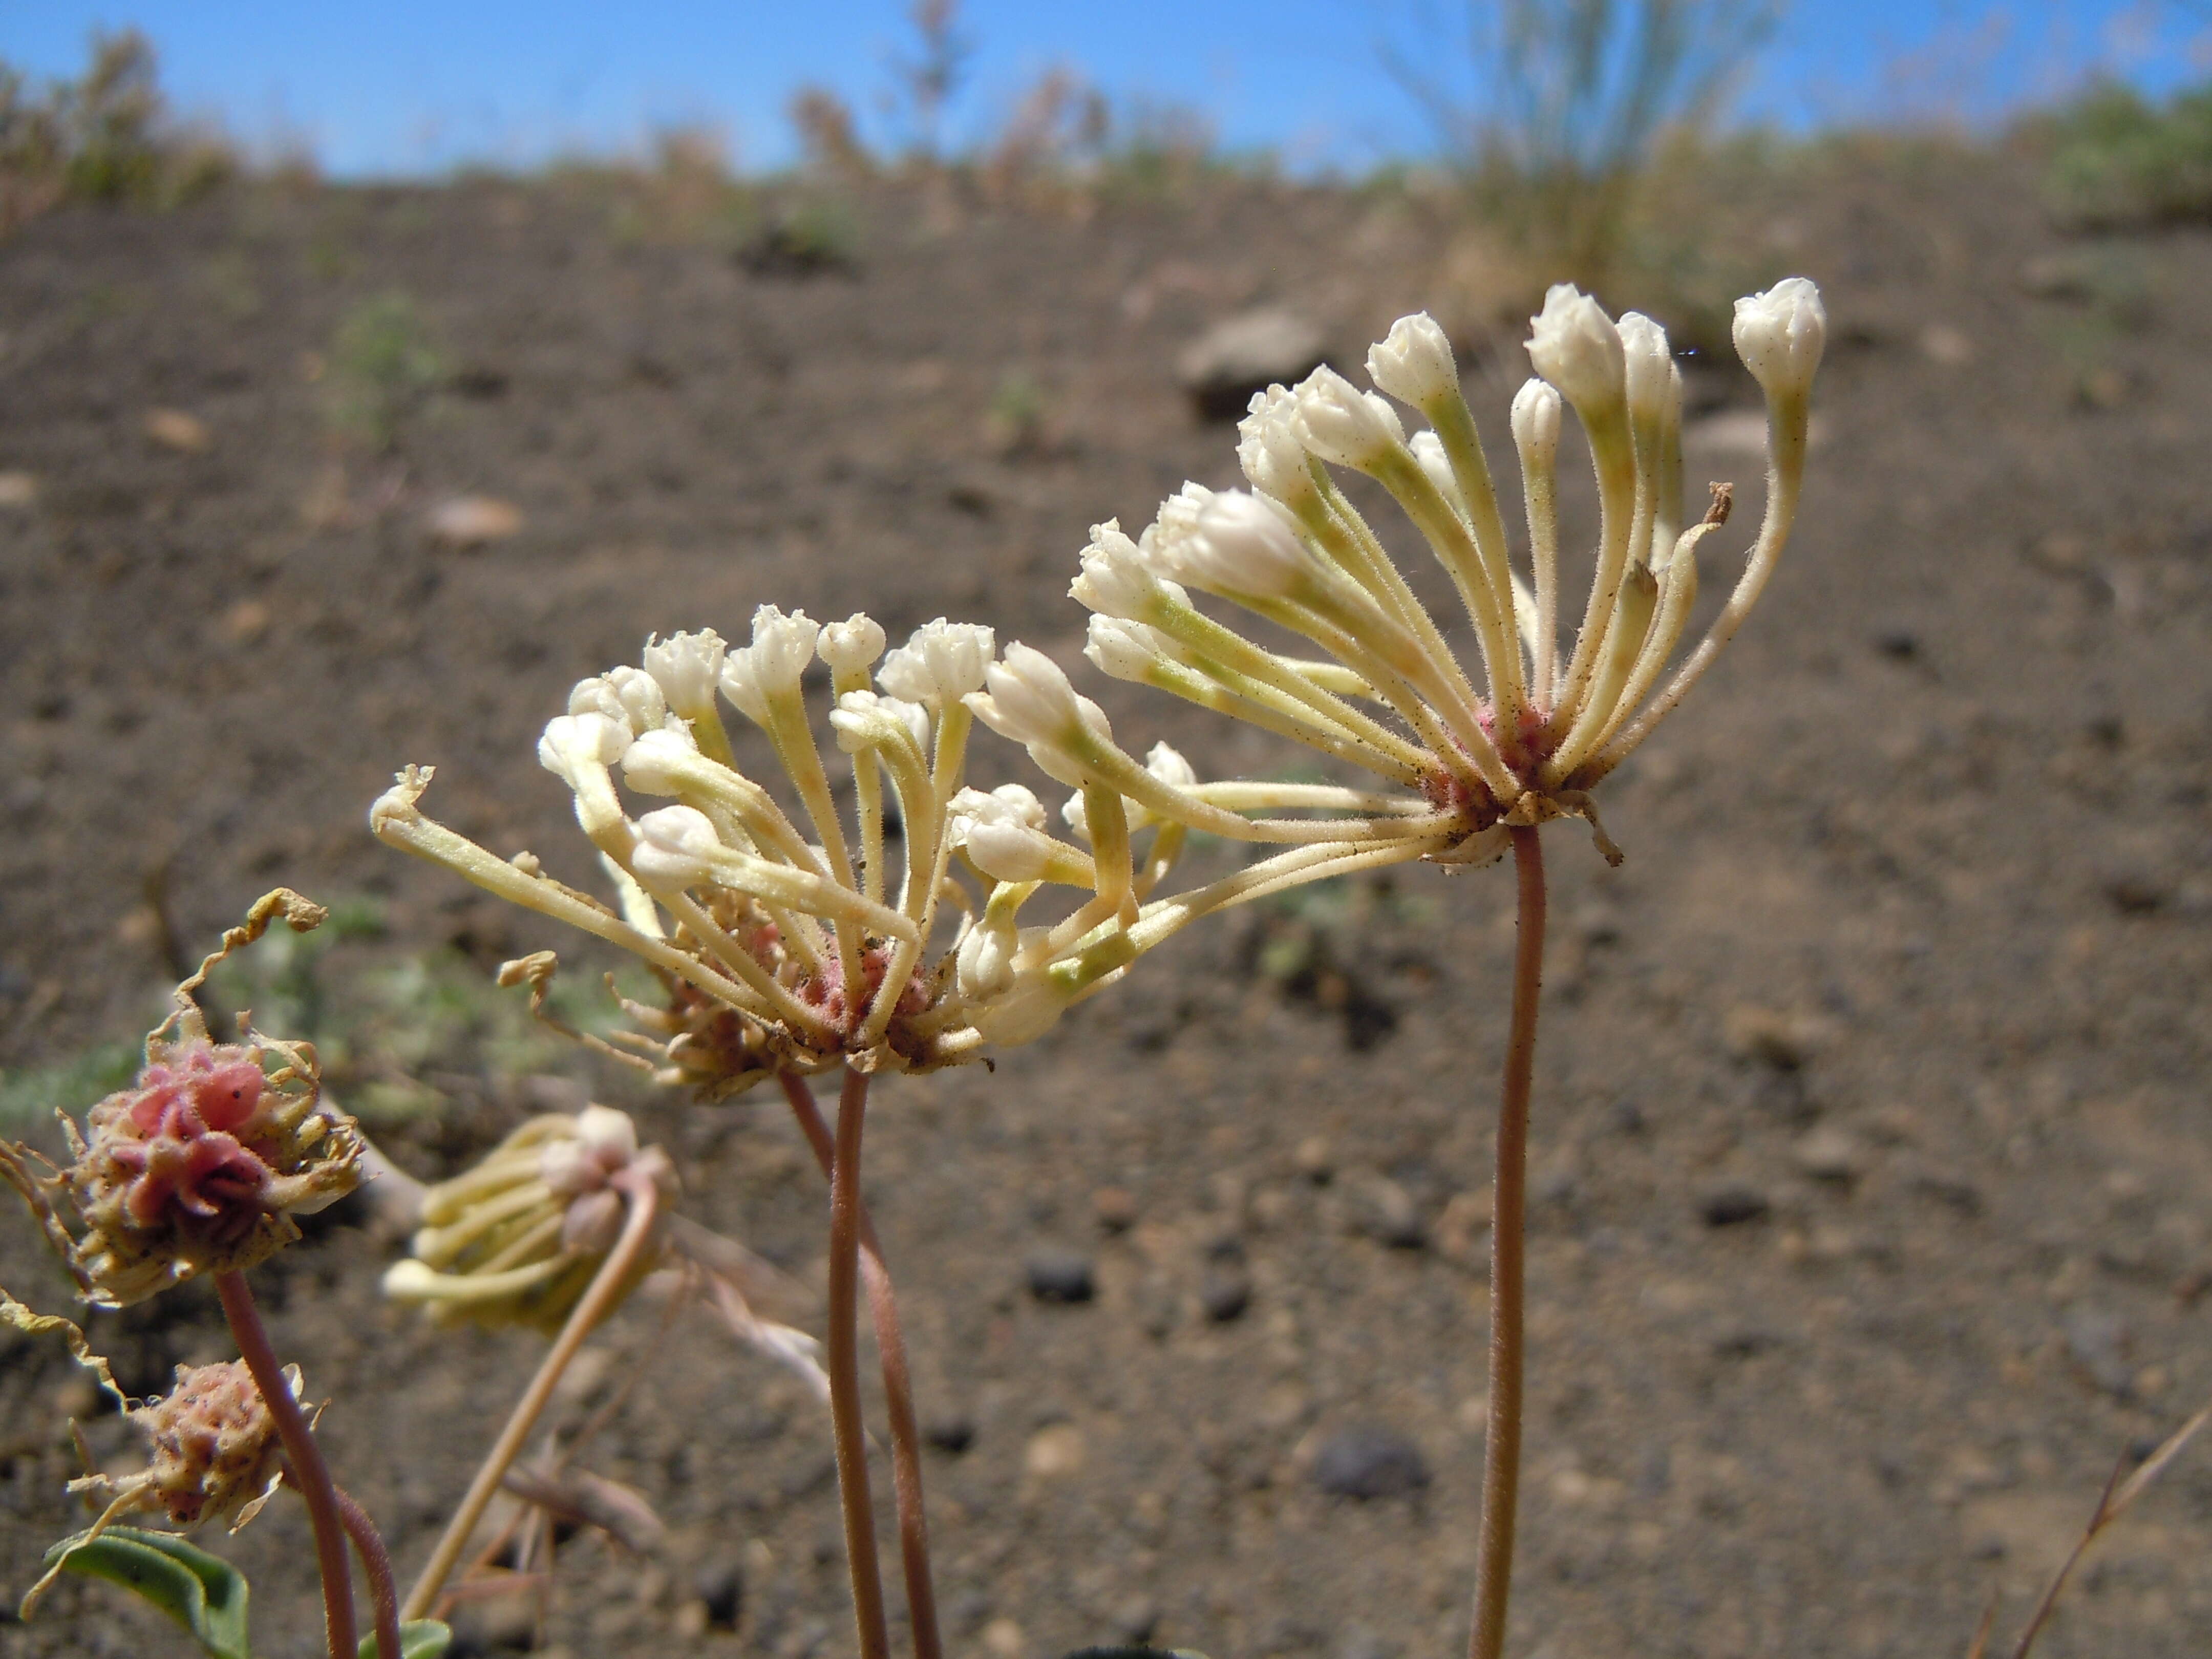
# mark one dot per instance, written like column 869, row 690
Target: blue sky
column 415, row 86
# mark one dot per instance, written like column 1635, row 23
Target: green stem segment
column 308, row 1469
column 898, row 1389
column 599, row 1300
column 1501, row 1470
column 844, row 1368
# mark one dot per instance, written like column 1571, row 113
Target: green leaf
column 421, row 1638
column 203, row 1593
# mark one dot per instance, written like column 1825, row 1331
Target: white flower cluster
column 786, row 942
column 1523, row 739
column 808, row 934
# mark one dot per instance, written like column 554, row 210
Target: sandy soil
column 1872, row 1144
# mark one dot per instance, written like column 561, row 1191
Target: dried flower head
column 202, row 1164
column 212, row 1446
column 212, row 1449
column 517, row 1239
column 1521, row 738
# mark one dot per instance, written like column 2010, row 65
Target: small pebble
column 1315, row 1159
column 469, row 521
column 1225, row 1292
column 1055, row 1451
column 1829, row 1153
column 1060, row 1275
column 1734, row 1204
column 18, row 489
column 173, row 429
column 950, row 1432
column 1368, row 1460
column 1116, row 1208
column 720, row 1586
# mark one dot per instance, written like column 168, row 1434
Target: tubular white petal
column 1414, row 362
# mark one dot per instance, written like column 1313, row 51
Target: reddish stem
column 898, row 1388
column 1501, row 1456
column 376, row 1564
column 309, row 1472
column 842, row 1357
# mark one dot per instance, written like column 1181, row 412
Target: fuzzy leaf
column 203, row 1593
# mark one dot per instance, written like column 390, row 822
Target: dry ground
column 1904, row 973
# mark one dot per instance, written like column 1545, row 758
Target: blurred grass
column 106, row 136
column 2117, row 161
column 398, row 1034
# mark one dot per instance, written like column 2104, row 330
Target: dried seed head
column 214, row 1453
column 198, row 1167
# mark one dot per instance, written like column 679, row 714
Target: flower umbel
column 517, row 1239
column 788, row 943
column 1515, row 738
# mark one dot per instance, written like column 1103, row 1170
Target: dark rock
column 1060, row 1275
column 950, row 1432
column 721, row 1585
column 1734, row 1204
column 1369, row 1460
column 1225, row 1292
column 1221, row 369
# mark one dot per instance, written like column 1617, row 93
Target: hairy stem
column 844, row 1368
column 898, row 1389
column 312, row 1474
column 1501, row 1454
column 376, row 1563
column 597, row 1300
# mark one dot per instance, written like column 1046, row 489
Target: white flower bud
column 1269, row 451
column 1009, row 852
column 772, row 666
column 1414, row 362
column 851, row 646
column 677, row 845
column 1244, row 544
column 1536, row 421
column 596, row 696
column 1010, row 803
column 1576, row 347
column 863, row 720
column 1429, row 451
column 984, row 964
column 1780, row 334
column 1339, row 423
column 653, row 764
column 1122, row 650
column 685, row 665
column 1165, row 545
column 605, row 1142
column 1025, row 1011
column 1648, row 365
column 1115, row 580
column 941, row 662
column 593, row 740
column 1030, row 701
column 1168, row 765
